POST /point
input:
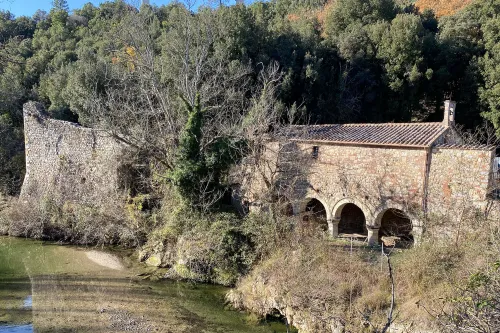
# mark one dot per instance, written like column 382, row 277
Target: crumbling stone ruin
column 374, row 180
column 68, row 162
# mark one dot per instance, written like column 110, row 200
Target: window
column 315, row 152
column 495, row 194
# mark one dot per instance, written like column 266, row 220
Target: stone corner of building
column 34, row 109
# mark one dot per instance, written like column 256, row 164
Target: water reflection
column 48, row 288
column 17, row 329
column 28, row 302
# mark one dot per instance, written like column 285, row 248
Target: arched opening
column 279, row 322
column 397, row 227
column 352, row 220
column 286, row 209
column 315, row 215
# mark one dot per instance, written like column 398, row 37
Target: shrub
column 73, row 223
column 317, row 286
column 215, row 250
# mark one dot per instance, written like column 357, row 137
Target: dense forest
column 346, row 61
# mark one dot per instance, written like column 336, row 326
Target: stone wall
column 383, row 181
column 374, row 178
column 459, row 178
column 67, row 162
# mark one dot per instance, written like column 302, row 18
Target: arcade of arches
column 350, row 219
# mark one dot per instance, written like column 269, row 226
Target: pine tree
column 60, row 5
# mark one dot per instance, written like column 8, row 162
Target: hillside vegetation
column 195, row 94
column 330, row 62
column 442, row 7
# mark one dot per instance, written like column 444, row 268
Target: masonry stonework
column 385, row 173
column 459, row 176
column 375, row 179
column 67, row 162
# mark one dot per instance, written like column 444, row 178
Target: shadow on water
column 47, row 288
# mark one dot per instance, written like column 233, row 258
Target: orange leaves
column 128, row 57
column 130, row 50
column 293, row 17
column 442, row 7
column 323, row 13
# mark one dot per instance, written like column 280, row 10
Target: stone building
column 69, row 163
column 373, row 180
column 366, row 180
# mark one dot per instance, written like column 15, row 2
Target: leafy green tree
column 40, row 16
column 198, row 171
column 401, row 50
column 490, row 63
column 60, row 5
column 11, row 156
column 348, row 13
column 13, row 93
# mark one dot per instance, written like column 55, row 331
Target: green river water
column 51, row 288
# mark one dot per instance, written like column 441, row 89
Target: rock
column 154, row 260
column 142, row 255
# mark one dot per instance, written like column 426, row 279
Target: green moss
column 154, row 260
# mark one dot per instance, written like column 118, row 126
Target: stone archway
column 315, row 215
column 397, row 227
column 337, row 209
column 352, row 220
column 356, row 218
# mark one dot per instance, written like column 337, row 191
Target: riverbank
column 71, row 293
column 323, row 285
column 318, row 284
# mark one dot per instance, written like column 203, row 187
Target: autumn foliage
column 442, row 7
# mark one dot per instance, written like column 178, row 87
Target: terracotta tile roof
column 387, row 134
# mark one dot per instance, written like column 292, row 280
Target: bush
column 210, row 247
column 214, row 250
column 268, row 231
column 477, row 307
column 317, row 286
column 73, row 223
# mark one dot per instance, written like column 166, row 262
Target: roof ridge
column 471, row 146
column 372, row 124
column 392, row 134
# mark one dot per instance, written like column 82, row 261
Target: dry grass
column 72, row 222
column 442, row 7
column 317, row 284
column 433, row 275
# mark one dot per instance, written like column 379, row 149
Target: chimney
column 449, row 113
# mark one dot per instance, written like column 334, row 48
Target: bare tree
column 141, row 104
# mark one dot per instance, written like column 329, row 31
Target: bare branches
column 390, row 314
column 484, row 134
